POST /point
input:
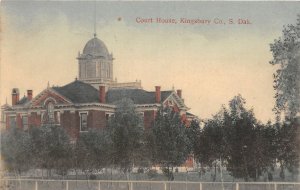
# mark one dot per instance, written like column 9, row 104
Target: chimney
column 157, row 94
column 102, row 94
column 179, row 93
column 29, row 95
column 15, row 96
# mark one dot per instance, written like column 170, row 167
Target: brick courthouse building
column 88, row 101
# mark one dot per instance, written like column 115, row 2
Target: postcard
column 146, row 94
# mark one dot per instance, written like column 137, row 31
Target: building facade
column 90, row 100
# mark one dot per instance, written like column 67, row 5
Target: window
column 3, row 117
column 12, row 121
column 141, row 114
column 42, row 117
column 25, row 122
column 50, row 110
column 83, row 122
column 97, row 69
column 108, row 115
column 58, row 117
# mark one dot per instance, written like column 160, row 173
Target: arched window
column 50, row 110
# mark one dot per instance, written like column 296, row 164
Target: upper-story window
column 25, row 122
column 58, row 117
column 12, row 121
column 83, row 121
column 50, row 110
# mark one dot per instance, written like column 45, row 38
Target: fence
column 35, row 184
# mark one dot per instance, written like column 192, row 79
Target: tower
column 95, row 63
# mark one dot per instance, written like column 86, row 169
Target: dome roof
column 95, row 47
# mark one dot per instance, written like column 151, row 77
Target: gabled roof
column 138, row 96
column 78, row 92
column 164, row 94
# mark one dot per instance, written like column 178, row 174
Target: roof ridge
column 76, row 81
column 126, row 89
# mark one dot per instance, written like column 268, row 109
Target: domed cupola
column 95, row 63
column 96, row 48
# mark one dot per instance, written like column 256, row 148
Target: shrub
column 152, row 173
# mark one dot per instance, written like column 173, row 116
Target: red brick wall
column 149, row 118
column 185, row 120
column 34, row 120
column 96, row 119
column 7, row 121
column 176, row 108
column 19, row 121
column 71, row 122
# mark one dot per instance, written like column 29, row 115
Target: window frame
column 58, row 117
column 86, row 123
column 141, row 114
column 10, row 120
column 50, row 112
column 108, row 115
column 25, row 125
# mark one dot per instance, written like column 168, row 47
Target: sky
column 211, row 63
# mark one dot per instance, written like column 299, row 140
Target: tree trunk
column 256, row 174
column 168, row 173
column 221, row 174
column 215, row 175
column 16, row 173
column 19, row 177
column 111, row 175
column 282, row 174
column 76, row 174
column 201, row 170
column 127, row 179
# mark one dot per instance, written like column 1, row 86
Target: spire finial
column 48, row 85
column 95, row 20
column 6, row 100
